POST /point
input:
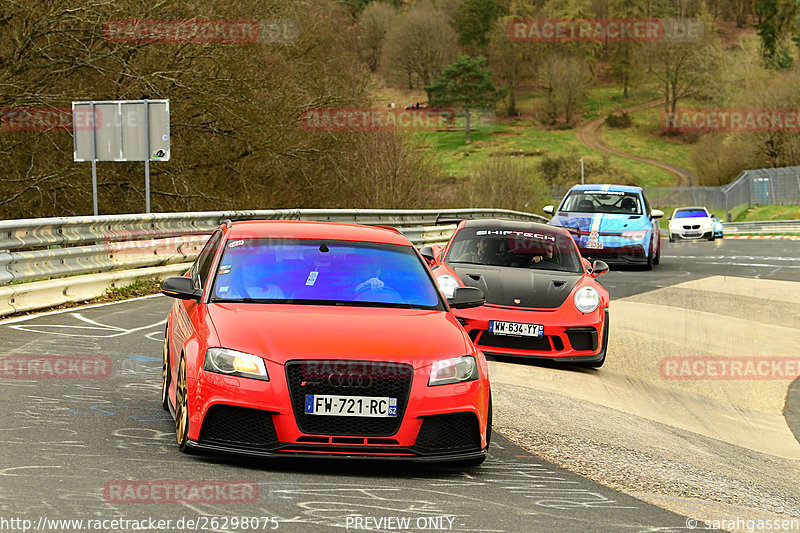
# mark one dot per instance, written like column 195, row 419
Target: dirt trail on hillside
column 589, row 135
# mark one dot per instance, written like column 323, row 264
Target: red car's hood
column 281, row 332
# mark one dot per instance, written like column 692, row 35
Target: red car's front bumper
column 567, row 337
column 266, row 418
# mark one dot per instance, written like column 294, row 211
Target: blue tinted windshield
column 690, row 213
column 330, row 272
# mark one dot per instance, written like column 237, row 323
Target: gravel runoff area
column 709, row 450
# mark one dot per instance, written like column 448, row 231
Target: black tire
column 671, row 238
column 649, row 264
column 165, row 373
column 711, row 237
column 657, row 258
column 182, row 408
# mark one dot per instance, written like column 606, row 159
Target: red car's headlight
column 233, row 363
column 453, row 370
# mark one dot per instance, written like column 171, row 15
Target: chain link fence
column 765, row 186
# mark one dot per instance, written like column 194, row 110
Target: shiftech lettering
column 506, row 232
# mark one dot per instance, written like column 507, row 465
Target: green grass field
column 499, row 136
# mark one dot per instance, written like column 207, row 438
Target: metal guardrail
column 112, row 249
column 765, row 227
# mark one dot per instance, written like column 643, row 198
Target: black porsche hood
column 505, row 285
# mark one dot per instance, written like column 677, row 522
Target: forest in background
column 236, row 136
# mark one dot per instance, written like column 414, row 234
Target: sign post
column 121, row 130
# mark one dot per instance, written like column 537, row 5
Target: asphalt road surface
column 84, row 449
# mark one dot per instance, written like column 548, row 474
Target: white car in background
column 691, row 223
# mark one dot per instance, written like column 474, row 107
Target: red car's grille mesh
column 439, row 433
column 348, row 378
column 238, row 426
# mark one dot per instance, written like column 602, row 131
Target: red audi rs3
column 321, row 339
column 542, row 299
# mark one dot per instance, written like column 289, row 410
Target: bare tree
column 680, row 68
column 507, row 183
column 419, row 47
column 374, row 22
column 566, row 81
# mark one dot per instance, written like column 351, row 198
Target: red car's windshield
column 330, row 272
column 546, row 250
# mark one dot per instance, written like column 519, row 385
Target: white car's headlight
column 233, row 363
column 453, row 370
column 586, row 299
column 448, row 284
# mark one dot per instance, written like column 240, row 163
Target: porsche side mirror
column 549, row 209
column 427, row 253
column 599, row 267
column 181, row 287
column 656, row 213
column 466, row 297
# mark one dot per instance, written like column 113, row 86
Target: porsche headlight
column 586, row 299
column 233, row 363
column 448, row 285
column 453, row 370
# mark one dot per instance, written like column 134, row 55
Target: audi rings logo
column 353, row 381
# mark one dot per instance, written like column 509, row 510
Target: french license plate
column 372, row 406
column 692, row 234
column 515, row 328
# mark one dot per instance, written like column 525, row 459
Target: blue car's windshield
column 330, row 273
column 615, row 202
column 690, row 213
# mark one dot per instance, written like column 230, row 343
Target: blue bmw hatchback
column 614, row 223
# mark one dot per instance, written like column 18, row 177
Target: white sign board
column 122, row 130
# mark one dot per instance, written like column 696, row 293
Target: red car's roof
column 301, row 229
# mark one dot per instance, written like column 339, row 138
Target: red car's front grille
column 348, row 378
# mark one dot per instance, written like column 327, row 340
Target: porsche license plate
column 372, row 406
column 516, row 329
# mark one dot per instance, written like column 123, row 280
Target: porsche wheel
column 165, row 374
column 182, row 408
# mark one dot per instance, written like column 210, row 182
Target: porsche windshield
column 537, row 249
column 303, row 271
column 616, row 202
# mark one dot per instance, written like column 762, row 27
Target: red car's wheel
column 181, row 407
column 165, row 374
